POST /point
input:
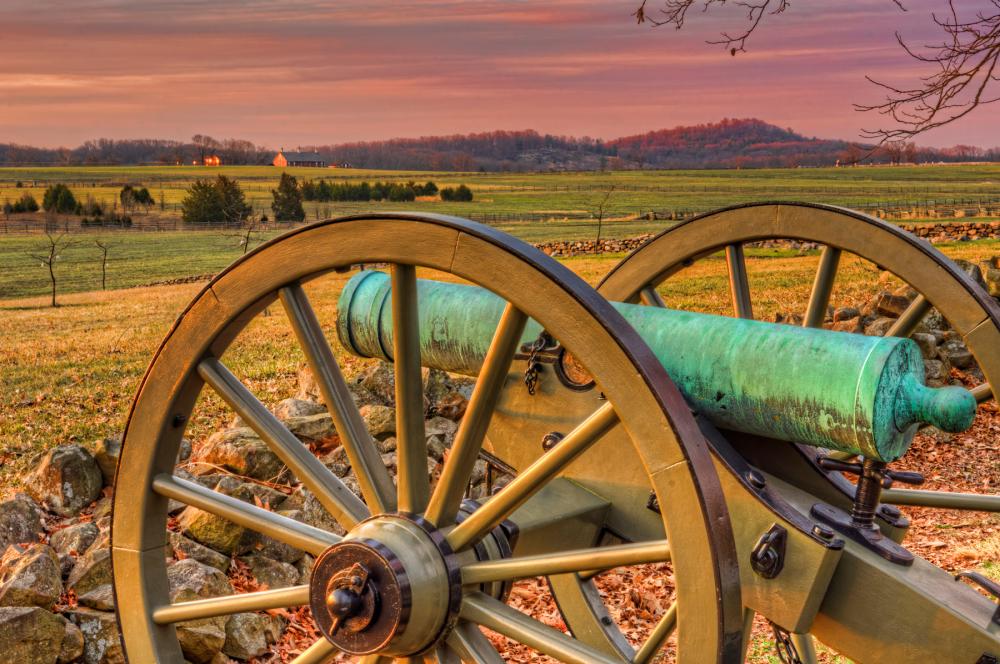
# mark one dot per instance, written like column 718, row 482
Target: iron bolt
column 550, row 440
column 891, row 511
column 179, row 420
column 822, row 532
column 343, row 603
column 756, row 479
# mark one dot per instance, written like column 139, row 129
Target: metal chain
column 534, row 366
column 786, row 650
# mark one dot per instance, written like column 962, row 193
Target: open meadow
column 535, row 207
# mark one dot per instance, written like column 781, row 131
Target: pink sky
column 290, row 72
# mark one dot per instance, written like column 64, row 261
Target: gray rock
column 887, row 304
column 443, row 427
column 242, row 452
column 928, row 344
column 272, row 548
column 271, row 573
column 189, row 580
column 101, row 640
column 845, row 313
column 851, row 325
column 30, row 576
column 957, row 354
column 305, row 566
column 297, row 408
column 106, row 454
column 315, row 515
column 215, row 532
column 879, row 327
column 386, row 445
column 312, row 427
column 436, row 448
column 20, row 521
column 184, row 547
column 93, row 569
column 101, row 598
column 380, row 420
column 184, row 450
column 30, row 635
column 74, row 539
column 72, row 643
column 973, row 271
column 379, row 381
column 246, row 636
column 936, row 372
column 67, row 480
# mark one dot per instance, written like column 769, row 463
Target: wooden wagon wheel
column 422, row 568
column 939, row 283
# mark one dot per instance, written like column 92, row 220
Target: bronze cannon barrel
column 849, row 392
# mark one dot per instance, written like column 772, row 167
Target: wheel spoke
column 564, row 562
column 289, row 531
column 448, row 494
column 281, row 598
column 819, row 299
column 739, row 284
column 371, row 473
column 472, row 645
column 320, row 652
column 982, row 392
column 805, row 647
column 658, row 637
column 910, row 318
column 494, row 614
column 529, row 481
column 442, row 655
column 411, row 446
column 331, row 492
column 651, row 298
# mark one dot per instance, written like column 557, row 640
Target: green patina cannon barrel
column 849, row 392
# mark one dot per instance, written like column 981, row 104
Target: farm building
column 284, row 159
column 213, row 160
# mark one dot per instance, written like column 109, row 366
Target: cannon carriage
column 633, row 435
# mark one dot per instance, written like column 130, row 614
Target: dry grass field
column 69, row 374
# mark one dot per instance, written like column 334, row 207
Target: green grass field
column 535, row 207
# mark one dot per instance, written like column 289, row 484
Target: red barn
column 285, row 159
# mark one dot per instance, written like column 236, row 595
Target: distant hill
column 746, row 143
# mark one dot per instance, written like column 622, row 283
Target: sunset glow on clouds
column 308, row 72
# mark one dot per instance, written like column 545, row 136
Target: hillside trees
column 287, row 204
column 133, row 197
column 219, row 201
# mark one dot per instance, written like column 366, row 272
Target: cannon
column 611, row 427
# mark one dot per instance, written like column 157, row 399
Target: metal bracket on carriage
column 989, row 585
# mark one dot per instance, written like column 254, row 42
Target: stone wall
column 943, row 232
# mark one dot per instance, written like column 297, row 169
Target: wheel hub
column 392, row 586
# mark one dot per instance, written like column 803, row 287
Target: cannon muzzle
column 849, row 392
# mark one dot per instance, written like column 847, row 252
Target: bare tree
column 247, row 228
column 50, row 254
column 602, row 209
column 104, row 246
column 964, row 66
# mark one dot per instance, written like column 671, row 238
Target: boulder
column 386, row 445
column 272, row 548
column 380, row 420
column 30, row 635
column 201, row 640
column 101, row 598
column 240, row 451
column 20, row 521
column 928, row 344
column 30, row 576
column 293, row 407
column 312, row 427
column 106, row 454
column 452, row 406
column 442, row 427
column 247, row 636
column 75, row 539
column 72, row 643
column 271, row 573
column 973, row 271
column 845, row 313
column 956, row 353
column 184, row 547
column 879, row 327
column 67, row 480
column 219, row 533
column 887, row 304
column 936, row 372
column 101, row 639
column 379, row 381
column 91, row 570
